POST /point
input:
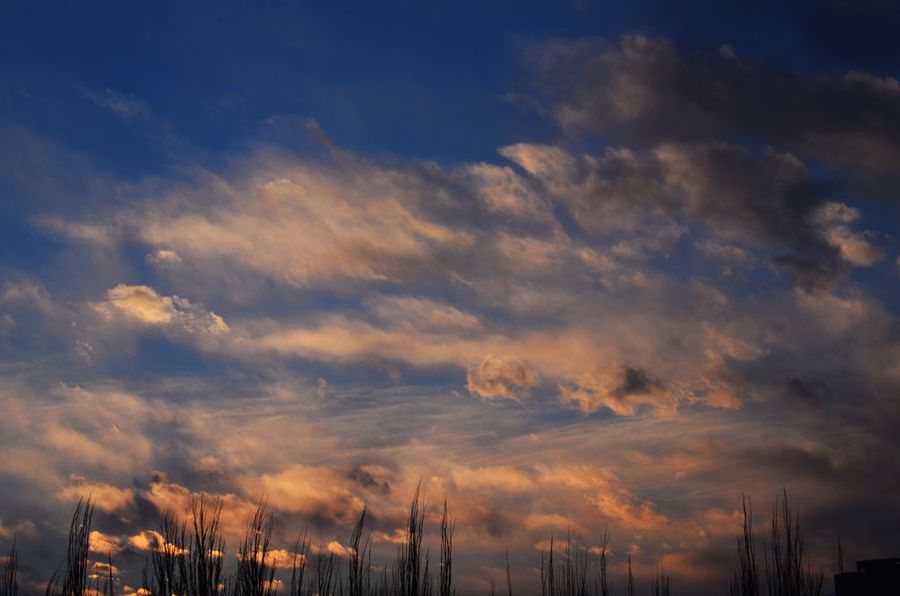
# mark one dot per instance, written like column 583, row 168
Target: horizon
column 577, row 266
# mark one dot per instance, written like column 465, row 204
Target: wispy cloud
column 123, row 105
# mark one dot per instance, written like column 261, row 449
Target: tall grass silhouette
column 298, row 565
column 359, row 564
column 10, row 585
column 255, row 574
column 746, row 579
column 571, row 572
column 188, row 557
column 446, row 577
column 787, row 573
column 71, row 578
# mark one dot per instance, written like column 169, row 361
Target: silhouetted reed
column 786, row 571
column 359, row 576
column 187, row 558
column 411, row 568
column 207, row 549
column 298, row 565
column 661, row 583
column 567, row 573
column 602, row 587
column 71, row 578
column 255, row 575
column 327, row 574
column 447, row 529
column 746, row 579
column 10, row 585
column 104, row 579
column 168, row 549
column 630, row 578
column 508, row 577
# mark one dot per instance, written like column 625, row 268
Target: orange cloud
column 500, row 377
column 144, row 304
column 104, row 497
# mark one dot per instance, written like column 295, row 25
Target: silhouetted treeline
column 187, row 559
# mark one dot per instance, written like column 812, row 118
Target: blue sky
column 578, row 265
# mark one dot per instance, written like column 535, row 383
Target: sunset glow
column 577, row 267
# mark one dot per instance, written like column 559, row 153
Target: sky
column 576, row 265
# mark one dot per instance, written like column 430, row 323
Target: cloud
column 397, row 537
column 104, row 497
column 423, row 314
column 28, row 293
column 304, row 223
column 146, row 540
column 365, row 476
column 125, row 106
column 500, row 377
column 728, row 254
column 493, row 478
column 768, row 201
column 24, row 527
column 163, row 257
column 336, row 548
column 83, row 232
column 98, row 542
column 102, row 427
column 620, row 388
column 321, row 492
column 143, row 304
column 605, row 491
column 651, row 91
column 518, row 304
column 834, row 219
column 505, row 191
column 280, row 558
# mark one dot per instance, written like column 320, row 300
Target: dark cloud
column 805, row 391
column 494, row 521
column 366, row 480
column 767, row 200
column 792, row 462
column 810, row 273
column 648, row 91
column 635, row 381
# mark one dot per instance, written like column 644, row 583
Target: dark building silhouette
column 878, row 577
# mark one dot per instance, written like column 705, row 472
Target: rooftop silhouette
column 875, row 577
